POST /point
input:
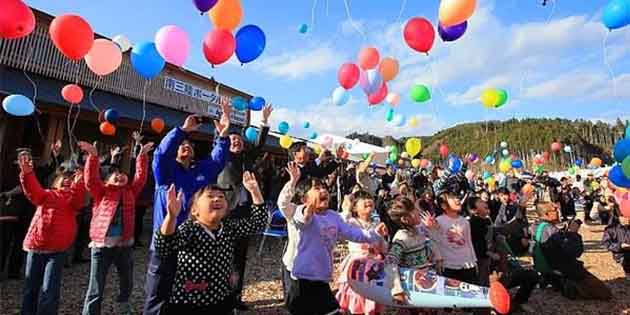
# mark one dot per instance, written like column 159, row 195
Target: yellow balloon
column 286, row 141
column 317, row 149
column 226, row 14
column 413, row 146
column 413, row 122
column 415, row 163
column 505, row 166
column 453, row 12
column 489, row 98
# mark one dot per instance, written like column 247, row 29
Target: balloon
column 283, row 127
column 388, row 162
column 348, row 75
column 226, row 14
column 616, row 14
column 72, row 93
column 413, row 122
column 340, row 96
column 72, row 35
column 157, row 124
column 104, row 57
column 473, row 157
column 286, row 141
column 239, row 103
column 370, row 81
column 625, row 167
column 505, row 152
column 420, row 93
column 368, row 58
column 111, row 115
column 452, row 33
column 413, row 146
column 419, row 34
column 502, row 98
column 453, row 12
column 504, row 144
column 123, row 42
column 486, row 175
column 378, row 96
column 489, row 98
column 579, row 162
column 173, row 44
column 250, row 43
column 393, row 99
column 567, row 149
column 107, row 129
column 394, row 149
column 455, row 164
column 622, row 196
column 388, row 68
column 18, row 105
column 527, row 189
column 306, row 125
column 218, row 46
column 545, row 156
column 617, row 177
column 517, row 164
column 443, row 150
column 556, row 146
column 327, row 142
column 146, row 60
column 317, row 148
column 204, row 5
column 571, row 170
column 257, row 103
column 489, row 160
column 303, row 29
column 404, row 155
column 16, row 19
column 597, row 162
column 393, row 156
column 313, row 135
column 621, row 150
column 389, row 116
column 251, row 134
column 415, row 163
column 424, row 163
column 505, row 166
column 399, row 120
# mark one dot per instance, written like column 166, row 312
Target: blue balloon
column 18, row 105
column 257, row 103
column 489, row 159
column 621, row 150
column 111, row 115
column 251, row 134
column 313, row 135
column 146, row 60
column 617, row 177
column 239, row 103
column 399, row 120
column 486, row 175
column 616, row 14
column 454, row 164
column 283, row 127
column 579, row 162
column 306, row 125
column 250, row 43
column 340, row 96
column 303, row 29
column 517, row 164
column 388, row 162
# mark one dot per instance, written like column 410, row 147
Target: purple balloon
column 452, row 33
column 370, row 81
column 204, row 5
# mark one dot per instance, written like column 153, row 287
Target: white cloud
column 353, row 27
column 299, row 64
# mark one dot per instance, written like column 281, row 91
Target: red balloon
column 369, row 58
column 348, row 75
column 218, row 46
column 378, row 96
column 499, row 297
column 107, row 129
column 545, row 156
column 419, row 34
column 72, row 35
column 556, row 146
column 16, row 19
column 443, row 150
column 72, row 93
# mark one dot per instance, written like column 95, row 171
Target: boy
column 481, row 233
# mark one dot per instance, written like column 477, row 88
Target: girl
column 51, row 233
column 361, row 217
column 410, row 246
column 204, row 247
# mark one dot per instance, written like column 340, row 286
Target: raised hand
column 428, row 220
column 340, row 151
column 146, row 148
column 223, row 125
column 294, row 172
column 266, row 113
column 190, row 124
column 55, row 148
column 137, row 137
column 88, row 148
column 116, row 150
column 78, row 176
column 381, row 229
column 25, row 162
column 250, row 183
column 173, row 201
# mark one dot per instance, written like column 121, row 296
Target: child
column 410, row 247
column 617, row 240
column 360, row 216
column 50, row 234
column 455, row 241
column 318, row 230
column 112, row 226
column 204, row 247
column 482, row 234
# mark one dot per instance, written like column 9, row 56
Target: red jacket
column 106, row 199
column 54, row 224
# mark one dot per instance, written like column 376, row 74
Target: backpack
column 540, row 262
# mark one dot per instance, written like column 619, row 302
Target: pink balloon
column 72, row 93
column 424, row 163
column 393, row 99
column 378, row 96
column 623, row 199
column 104, row 57
column 327, row 142
column 173, row 45
column 368, row 58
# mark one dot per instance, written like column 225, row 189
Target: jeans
column 102, row 259
column 42, row 283
column 159, row 283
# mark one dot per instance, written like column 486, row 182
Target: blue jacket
column 166, row 171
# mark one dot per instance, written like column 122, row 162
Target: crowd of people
column 206, row 210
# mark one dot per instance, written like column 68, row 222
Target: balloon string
column 76, row 118
column 144, row 104
column 345, row 2
column 608, row 66
column 90, row 96
column 35, row 117
column 313, row 14
column 436, row 80
column 403, row 5
column 69, row 118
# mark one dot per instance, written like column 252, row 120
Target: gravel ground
column 264, row 290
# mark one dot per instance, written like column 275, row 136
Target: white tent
column 355, row 147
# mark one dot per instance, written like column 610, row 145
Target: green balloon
column 571, row 170
column 394, row 149
column 420, row 93
column 365, row 156
column 393, row 156
column 390, row 114
column 502, row 98
column 625, row 166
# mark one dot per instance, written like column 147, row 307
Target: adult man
column 174, row 163
column 241, row 159
column 320, row 168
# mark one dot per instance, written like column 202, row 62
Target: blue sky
column 549, row 59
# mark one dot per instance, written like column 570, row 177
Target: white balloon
column 123, row 42
column 505, row 152
column 393, row 99
column 340, row 96
column 503, row 144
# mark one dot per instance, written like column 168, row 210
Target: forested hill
column 524, row 137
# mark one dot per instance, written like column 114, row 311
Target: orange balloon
column 527, row 189
column 368, row 58
column 226, row 14
column 157, row 124
column 596, row 162
column 107, row 129
column 453, row 12
column 388, row 68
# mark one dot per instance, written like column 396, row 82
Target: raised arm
column 288, row 191
column 92, row 171
column 140, row 176
column 259, row 214
column 30, row 185
column 164, row 157
column 264, row 128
